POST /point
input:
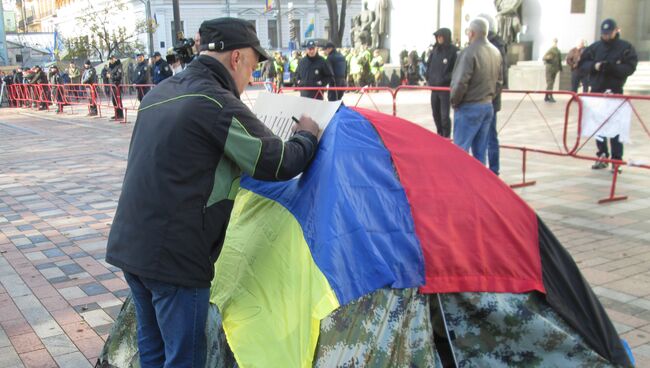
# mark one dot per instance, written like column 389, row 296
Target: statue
column 382, row 11
column 355, row 32
column 509, row 23
column 366, row 17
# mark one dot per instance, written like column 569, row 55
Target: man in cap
column 40, row 87
column 476, row 80
column 338, row 65
column 115, row 73
column 440, row 67
column 313, row 71
column 608, row 63
column 89, row 78
column 191, row 142
column 141, row 76
column 160, row 70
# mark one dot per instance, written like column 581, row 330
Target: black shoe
column 600, row 164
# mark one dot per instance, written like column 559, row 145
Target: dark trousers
column 617, row 148
column 318, row 95
column 337, row 95
column 170, row 323
column 440, row 106
column 141, row 92
column 493, row 145
column 576, row 80
column 116, row 98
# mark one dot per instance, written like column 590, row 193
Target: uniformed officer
column 608, row 63
column 141, row 76
column 313, row 71
column 553, row 65
column 192, row 141
column 89, row 77
column 160, row 70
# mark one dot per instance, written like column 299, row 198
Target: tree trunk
column 339, row 42
column 337, row 25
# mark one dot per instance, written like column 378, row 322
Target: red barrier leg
column 612, row 193
column 523, row 183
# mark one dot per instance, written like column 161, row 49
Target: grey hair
column 479, row 26
column 492, row 27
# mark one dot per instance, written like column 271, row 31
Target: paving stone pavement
column 60, row 178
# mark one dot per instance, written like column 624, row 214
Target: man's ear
column 235, row 55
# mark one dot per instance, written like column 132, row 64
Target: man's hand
column 306, row 124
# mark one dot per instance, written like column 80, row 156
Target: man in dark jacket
column 192, row 141
column 313, row 71
column 115, row 73
column 440, row 67
column 141, row 76
column 56, row 87
column 608, row 63
column 41, row 90
column 160, row 70
column 337, row 64
column 89, row 77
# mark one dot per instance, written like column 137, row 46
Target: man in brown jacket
column 572, row 60
column 476, row 80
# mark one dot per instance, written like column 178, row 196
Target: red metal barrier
column 112, row 100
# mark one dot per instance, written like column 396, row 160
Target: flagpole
column 279, row 21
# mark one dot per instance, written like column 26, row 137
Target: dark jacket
column 314, row 72
column 619, row 60
column 18, row 78
column 500, row 44
column 160, row 71
column 105, row 75
column 337, row 64
column 141, row 73
column 115, row 72
column 268, row 69
column 39, row 78
column 89, row 76
column 442, row 59
column 192, row 141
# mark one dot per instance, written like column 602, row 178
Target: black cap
column 223, row 34
column 608, row 26
column 311, row 44
column 330, row 45
column 156, row 54
column 88, row 62
column 139, row 54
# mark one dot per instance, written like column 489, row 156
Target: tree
column 337, row 25
column 103, row 31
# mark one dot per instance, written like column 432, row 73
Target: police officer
column 141, row 76
column 160, row 70
column 440, row 67
column 89, row 77
column 339, row 67
column 313, row 71
column 608, row 63
column 192, row 140
column 115, row 74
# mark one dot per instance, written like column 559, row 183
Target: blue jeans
column 493, row 145
column 171, row 323
column 471, row 126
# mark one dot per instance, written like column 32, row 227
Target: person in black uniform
column 440, row 66
column 89, row 77
column 192, row 141
column 141, row 76
column 313, row 71
column 337, row 63
column 608, row 63
column 115, row 73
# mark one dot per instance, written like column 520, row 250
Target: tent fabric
column 513, row 330
column 353, row 211
column 269, row 290
column 455, row 200
column 571, row 296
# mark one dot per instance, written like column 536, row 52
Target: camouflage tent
column 390, row 264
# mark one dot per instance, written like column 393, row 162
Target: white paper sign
column 276, row 111
column 616, row 111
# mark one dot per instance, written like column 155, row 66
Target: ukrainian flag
column 362, row 218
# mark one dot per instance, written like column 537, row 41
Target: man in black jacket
column 313, row 71
column 115, row 73
column 440, row 67
column 141, row 76
column 192, row 141
column 41, row 89
column 608, row 63
column 337, row 64
column 89, row 77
